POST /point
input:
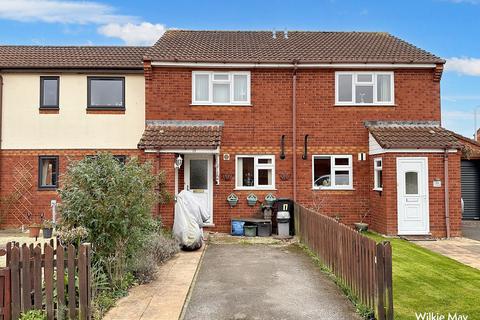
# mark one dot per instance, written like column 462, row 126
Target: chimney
column 274, row 34
column 285, row 33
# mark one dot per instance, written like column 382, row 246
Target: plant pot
column 47, row 232
column 252, row 199
column 34, row 231
column 270, row 199
column 361, row 227
column 232, row 200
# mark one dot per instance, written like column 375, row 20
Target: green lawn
column 424, row 281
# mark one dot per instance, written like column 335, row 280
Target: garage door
column 471, row 189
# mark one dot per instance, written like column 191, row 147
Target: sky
column 447, row 28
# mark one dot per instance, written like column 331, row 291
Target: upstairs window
column 106, row 92
column 220, row 88
column 49, row 92
column 47, row 172
column 364, row 88
column 255, row 172
column 378, row 174
column 332, row 172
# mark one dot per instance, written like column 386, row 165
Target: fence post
column 388, row 280
column 84, row 279
column 380, row 282
column 48, row 278
column 15, row 281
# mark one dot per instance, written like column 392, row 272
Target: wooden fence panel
column 71, row 283
column 358, row 261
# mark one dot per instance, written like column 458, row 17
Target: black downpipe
column 282, row 147
column 305, row 148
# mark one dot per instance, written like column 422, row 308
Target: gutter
column 294, row 130
column 447, row 194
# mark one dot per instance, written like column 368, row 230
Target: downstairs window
column 332, row 172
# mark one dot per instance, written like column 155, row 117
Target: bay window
column 220, row 88
column 255, row 172
column 364, row 88
column 332, row 172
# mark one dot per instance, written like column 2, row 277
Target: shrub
column 33, row 315
column 113, row 201
column 157, row 248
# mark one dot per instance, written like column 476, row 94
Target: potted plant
column 34, row 230
column 232, row 200
column 47, row 228
column 362, row 226
column 252, row 199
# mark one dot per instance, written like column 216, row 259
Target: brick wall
column 257, row 129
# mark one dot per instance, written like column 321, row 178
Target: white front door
column 199, row 179
column 412, row 196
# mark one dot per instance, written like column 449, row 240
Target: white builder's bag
column 190, row 217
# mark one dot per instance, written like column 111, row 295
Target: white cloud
column 144, row 33
column 465, row 1
column 467, row 66
column 55, row 11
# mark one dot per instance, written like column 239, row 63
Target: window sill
column 255, row 189
column 47, row 189
column 49, row 110
column 105, row 110
column 219, row 105
column 349, row 105
column 377, row 189
column 333, row 189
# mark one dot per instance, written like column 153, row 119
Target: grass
column 424, row 281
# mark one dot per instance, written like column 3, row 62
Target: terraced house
column 348, row 122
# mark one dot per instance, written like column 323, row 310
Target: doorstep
column 163, row 298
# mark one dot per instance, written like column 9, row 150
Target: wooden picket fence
column 55, row 280
column 358, row 261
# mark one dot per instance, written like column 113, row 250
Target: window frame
column 89, row 93
column 334, row 168
column 256, row 166
column 211, row 81
column 376, row 170
column 57, row 170
column 42, row 94
column 355, row 83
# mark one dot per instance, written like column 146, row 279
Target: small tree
column 113, row 201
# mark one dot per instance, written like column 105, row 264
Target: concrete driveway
column 246, row 282
column 471, row 229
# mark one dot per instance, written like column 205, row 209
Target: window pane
column 364, row 94
column 240, row 88
column 199, row 174
column 106, row 93
column 379, row 179
column 345, row 88
column 264, row 161
column 321, row 172
column 246, row 172
column 220, row 76
column 378, row 163
column 48, row 172
column 265, row 177
column 341, row 161
column 221, row 92
column 342, row 178
column 365, row 78
column 201, row 87
column 50, row 92
column 384, row 88
column 411, row 182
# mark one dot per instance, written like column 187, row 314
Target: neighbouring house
column 59, row 104
column 346, row 122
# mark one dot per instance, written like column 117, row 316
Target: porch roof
column 412, row 135
column 177, row 134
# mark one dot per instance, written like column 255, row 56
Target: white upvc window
column 332, row 172
column 255, row 172
column 377, row 174
column 364, row 88
column 221, row 88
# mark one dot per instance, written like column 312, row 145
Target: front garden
column 109, row 204
column 424, row 281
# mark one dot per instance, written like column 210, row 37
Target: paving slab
column 270, row 282
column 464, row 250
column 163, row 299
column 471, row 229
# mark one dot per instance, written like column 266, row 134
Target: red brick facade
column 257, row 129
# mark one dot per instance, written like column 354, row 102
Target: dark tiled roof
column 62, row 57
column 181, row 135
column 471, row 148
column 413, row 137
column 302, row 46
